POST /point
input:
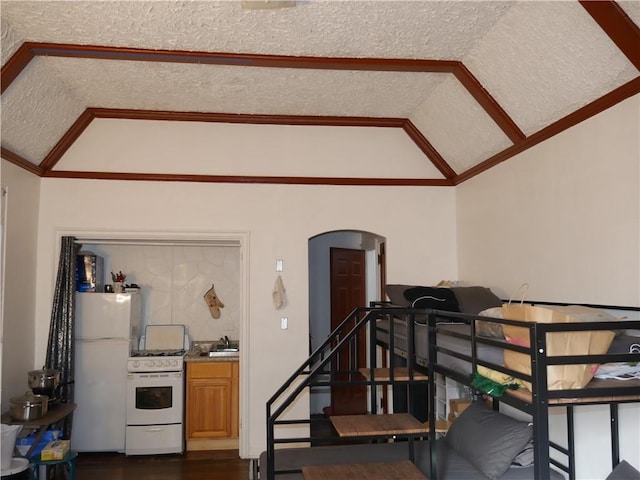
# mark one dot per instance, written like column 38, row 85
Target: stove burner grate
column 158, row 353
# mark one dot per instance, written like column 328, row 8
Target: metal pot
column 45, row 379
column 28, row 407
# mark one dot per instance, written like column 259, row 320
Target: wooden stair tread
column 365, row 425
column 384, row 374
column 404, row 470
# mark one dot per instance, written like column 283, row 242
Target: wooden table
column 366, row 425
column 404, row 470
column 53, row 416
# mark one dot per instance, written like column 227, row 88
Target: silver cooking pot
column 45, row 379
column 28, row 407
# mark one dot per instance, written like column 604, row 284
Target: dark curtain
column 61, row 329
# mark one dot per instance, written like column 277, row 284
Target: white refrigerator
column 107, row 327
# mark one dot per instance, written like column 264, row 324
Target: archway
column 320, row 287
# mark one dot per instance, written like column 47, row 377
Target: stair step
column 384, row 374
column 404, row 470
column 369, row 425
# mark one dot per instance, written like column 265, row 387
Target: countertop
column 194, row 356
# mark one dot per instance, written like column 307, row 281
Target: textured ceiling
column 470, row 82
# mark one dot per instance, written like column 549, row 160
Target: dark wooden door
column 348, row 291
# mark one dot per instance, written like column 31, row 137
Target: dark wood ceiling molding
column 16, row 159
column 18, row 61
column 242, row 59
column 389, row 122
column 278, row 61
column 429, row 150
column 621, row 93
column 130, row 114
column 247, row 118
column 67, row 140
column 617, row 24
column 486, row 101
column 346, row 181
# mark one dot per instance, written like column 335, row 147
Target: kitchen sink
column 225, row 352
column 225, row 348
column 219, row 349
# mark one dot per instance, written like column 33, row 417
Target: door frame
column 195, row 238
column 319, row 314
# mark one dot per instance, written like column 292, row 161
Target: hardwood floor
column 206, row 465
column 210, row 465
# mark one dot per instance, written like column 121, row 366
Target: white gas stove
column 156, row 361
column 155, row 392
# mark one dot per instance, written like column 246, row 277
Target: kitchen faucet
column 227, row 342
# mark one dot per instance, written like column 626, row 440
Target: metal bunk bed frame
column 611, row 392
column 344, row 341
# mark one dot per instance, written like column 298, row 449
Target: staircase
column 336, row 364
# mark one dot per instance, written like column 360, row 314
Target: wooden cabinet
column 212, row 405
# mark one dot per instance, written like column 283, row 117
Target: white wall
column 173, row 280
column 279, row 220
column 564, row 216
column 18, row 329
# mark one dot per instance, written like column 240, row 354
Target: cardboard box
column 55, row 450
column 456, row 407
column 24, row 443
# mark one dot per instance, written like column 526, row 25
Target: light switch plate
column 279, row 266
column 284, row 323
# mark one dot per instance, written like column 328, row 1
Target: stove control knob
column 149, row 363
column 166, row 363
column 136, row 363
column 174, row 363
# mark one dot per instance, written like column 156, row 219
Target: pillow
column 395, row 292
column 487, row 439
column 473, row 300
column 487, row 329
column 432, row 297
column 624, row 471
column 525, row 457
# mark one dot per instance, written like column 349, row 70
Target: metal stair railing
column 345, row 337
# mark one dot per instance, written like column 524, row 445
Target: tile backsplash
column 173, row 281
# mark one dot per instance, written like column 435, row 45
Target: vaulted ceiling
column 470, row 83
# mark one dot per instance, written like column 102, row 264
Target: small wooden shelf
column 404, row 470
column 526, row 396
column 369, row 425
column 400, row 374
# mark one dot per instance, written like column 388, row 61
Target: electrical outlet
column 284, row 323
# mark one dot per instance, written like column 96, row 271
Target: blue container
column 89, row 272
column 24, row 443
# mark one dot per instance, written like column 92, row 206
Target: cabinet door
column 235, row 400
column 210, row 408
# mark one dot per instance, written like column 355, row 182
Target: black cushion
column 432, row 297
column 624, row 344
